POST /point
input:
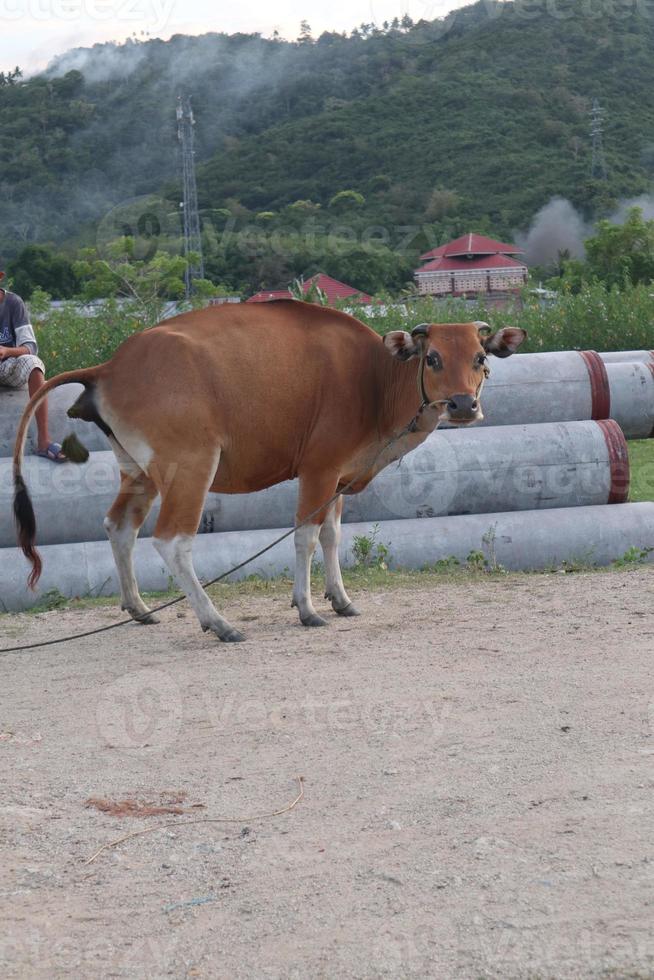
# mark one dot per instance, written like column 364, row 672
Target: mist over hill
column 475, row 121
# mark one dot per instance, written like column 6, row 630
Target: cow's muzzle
column 463, row 409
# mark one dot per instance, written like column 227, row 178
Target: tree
column 345, row 200
column 10, row 77
column 311, row 293
column 442, row 202
column 380, row 183
column 305, row 33
column 38, row 267
column 619, row 254
column 147, row 284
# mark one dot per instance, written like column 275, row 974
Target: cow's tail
column 23, row 509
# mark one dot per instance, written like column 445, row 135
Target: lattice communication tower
column 189, row 203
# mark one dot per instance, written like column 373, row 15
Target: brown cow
column 235, row 399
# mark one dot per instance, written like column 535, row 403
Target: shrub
column 596, row 318
column 69, row 339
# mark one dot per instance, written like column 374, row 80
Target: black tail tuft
column 73, row 449
column 26, row 528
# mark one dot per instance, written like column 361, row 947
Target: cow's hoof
column 224, row 632
column 232, row 636
column 144, row 618
column 313, row 620
column 349, row 610
column 148, row 620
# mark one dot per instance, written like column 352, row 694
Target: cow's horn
column 421, row 330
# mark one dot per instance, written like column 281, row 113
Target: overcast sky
column 33, row 31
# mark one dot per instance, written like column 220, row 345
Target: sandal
column 53, row 453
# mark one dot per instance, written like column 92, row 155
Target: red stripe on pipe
column 651, row 368
column 618, row 460
column 600, row 392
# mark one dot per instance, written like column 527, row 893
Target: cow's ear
column 401, row 345
column 504, row 342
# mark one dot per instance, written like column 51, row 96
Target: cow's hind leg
column 330, row 537
column 314, row 491
column 181, row 510
column 122, row 524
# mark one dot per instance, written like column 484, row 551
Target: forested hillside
column 472, row 122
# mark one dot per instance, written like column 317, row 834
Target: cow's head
column 455, row 362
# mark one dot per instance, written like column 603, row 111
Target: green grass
column 357, row 581
column 641, row 459
column 369, row 579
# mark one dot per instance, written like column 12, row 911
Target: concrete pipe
column 632, row 398
column 12, row 403
column 567, row 386
column 523, row 540
column 527, row 388
column 479, row 471
column 622, row 356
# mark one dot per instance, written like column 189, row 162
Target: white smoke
column 557, row 227
column 238, row 64
column 645, row 202
column 99, row 63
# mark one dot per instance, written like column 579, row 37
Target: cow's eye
column 480, row 360
column 434, row 360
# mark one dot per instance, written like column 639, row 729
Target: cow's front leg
column 306, row 539
column 330, row 538
column 315, row 491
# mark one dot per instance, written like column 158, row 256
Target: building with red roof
column 471, row 266
column 332, row 288
column 267, row 295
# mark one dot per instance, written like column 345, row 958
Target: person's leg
column 28, row 368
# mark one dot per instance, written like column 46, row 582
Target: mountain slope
column 491, row 106
column 497, row 111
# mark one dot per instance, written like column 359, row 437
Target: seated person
column 19, row 364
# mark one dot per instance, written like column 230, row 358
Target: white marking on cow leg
column 122, row 539
column 306, row 539
column 128, row 438
column 330, row 538
column 177, row 554
column 125, row 461
column 122, row 524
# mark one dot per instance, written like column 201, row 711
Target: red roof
column 434, row 253
column 472, row 245
column 333, row 289
column 266, row 295
column 336, row 290
column 446, row 264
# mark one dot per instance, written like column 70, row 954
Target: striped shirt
column 15, row 327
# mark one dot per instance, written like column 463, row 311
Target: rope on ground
column 188, row 823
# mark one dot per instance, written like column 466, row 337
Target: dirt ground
column 478, row 770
